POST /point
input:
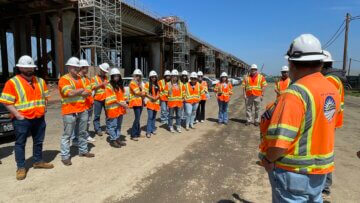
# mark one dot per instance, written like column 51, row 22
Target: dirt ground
column 213, row 163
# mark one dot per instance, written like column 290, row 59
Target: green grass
column 355, row 93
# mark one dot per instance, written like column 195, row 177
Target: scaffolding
column 100, row 31
column 177, row 31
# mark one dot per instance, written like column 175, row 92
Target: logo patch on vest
column 329, row 108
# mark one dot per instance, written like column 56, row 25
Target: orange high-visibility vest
column 89, row 101
column 162, row 84
column 113, row 98
column 99, row 93
column 29, row 100
column 192, row 95
column 175, row 94
column 135, row 100
column 282, row 85
column 340, row 87
column 254, row 87
column 225, row 89
column 204, row 86
column 303, row 123
column 153, row 105
column 75, row 104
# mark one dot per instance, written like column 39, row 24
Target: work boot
column 99, row 133
column 0, row 162
column 87, row 155
column 358, row 154
column 21, row 174
column 66, row 162
column 121, row 143
column 134, row 139
column 43, row 164
column 115, row 144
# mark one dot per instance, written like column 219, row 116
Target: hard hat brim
column 25, row 66
column 318, row 57
column 103, row 69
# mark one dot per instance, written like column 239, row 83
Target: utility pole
column 346, row 40
column 349, row 67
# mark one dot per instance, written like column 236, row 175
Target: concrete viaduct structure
column 49, row 30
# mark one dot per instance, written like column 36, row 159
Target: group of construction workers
column 26, row 97
column 298, row 128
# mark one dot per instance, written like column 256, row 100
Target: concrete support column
column 22, row 37
column 126, row 60
column 4, row 53
column 62, row 24
column 155, row 54
column 68, row 19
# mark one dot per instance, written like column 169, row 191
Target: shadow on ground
column 237, row 197
column 48, row 156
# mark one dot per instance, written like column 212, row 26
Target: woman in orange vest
column 99, row 83
column 175, row 91
column 192, row 98
column 152, row 91
column 223, row 91
column 137, row 94
column 200, row 113
column 115, row 107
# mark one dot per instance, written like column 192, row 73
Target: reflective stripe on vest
column 24, row 104
column 75, row 99
column 111, row 98
column 257, row 86
column 97, row 82
column 302, row 158
column 340, row 88
column 188, row 95
column 172, row 97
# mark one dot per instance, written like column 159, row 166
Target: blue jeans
column 150, row 128
column 74, row 136
column 183, row 113
column 295, row 187
column 164, row 116
column 177, row 112
column 22, row 128
column 114, row 127
column 70, row 121
column 190, row 110
column 98, row 106
column 135, row 129
column 223, row 111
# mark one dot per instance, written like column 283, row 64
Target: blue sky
column 261, row 31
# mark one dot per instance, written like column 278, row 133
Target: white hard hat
column 254, row 66
column 284, row 69
column 104, row 67
column 152, row 73
column 137, row 72
column 114, row 71
column 73, row 61
column 184, row 73
column 26, row 62
column 175, row 72
column 84, row 63
column 167, row 72
column 224, row 74
column 200, row 73
column 306, row 47
column 328, row 57
column 193, row 75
